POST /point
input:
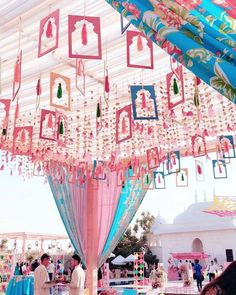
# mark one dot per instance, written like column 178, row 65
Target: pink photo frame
column 175, row 99
column 22, row 140
column 123, row 124
column 135, row 47
column 60, row 93
column 198, row 146
column 182, row 178
column 84, row 32
column 17, row 76
column 48, row 125
column 48, row 33
column 6, row 103
column 153, row 160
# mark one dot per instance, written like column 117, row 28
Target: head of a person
column 17, row 264
column 180, row 260
column 45, row 259
column 75, row 261
column 226, row 281
column 196, row 261
column 186, row 261
column 212, row 262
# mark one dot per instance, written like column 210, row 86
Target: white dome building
column 195, row 231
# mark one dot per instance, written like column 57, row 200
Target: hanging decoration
column 22, row 140
column 159, row 180
column 80, row 76
column 60, row 92
column 198, row 146
column 199, row 170
column 84, row 37
column 123, row 124
column 147, row 180
column 144, row 102
column 62, row 126
column 38, row 169
column 17, row 76
column 139, row 268
column 38, row 92
column 182, row 178
column 222, row 206
column 138, row 46
column 99, row 115
column 153, row 160
column 99, row 170
column 4, row 120
column 48, row 33
column 173, row 160
column 219, row 169
column 227, row 146
column 175, row 87
column 48, row 127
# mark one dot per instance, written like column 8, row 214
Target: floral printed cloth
column 200, row 34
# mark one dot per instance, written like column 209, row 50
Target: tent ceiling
column 81, row 135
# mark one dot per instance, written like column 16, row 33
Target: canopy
column 222, row 206
column 119, row 260
column 191, row 255
column 130, row 258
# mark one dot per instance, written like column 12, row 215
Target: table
column 21, row 285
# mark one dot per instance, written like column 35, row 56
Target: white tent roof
column 119, row 260
column 130, row 258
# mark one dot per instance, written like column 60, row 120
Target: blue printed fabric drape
column 200, row 34
column 116, row 206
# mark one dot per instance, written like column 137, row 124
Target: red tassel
column 174, row 160
column 139, row 43
column 123, row 125
column 22, row 139
column 106, row 84
column 199, row 169
column 167, row 165
column 159, row 178
column 17, row 71
column 38, row 88
column 220, row 169
column 49, row 30
column 49, row 125
column 84, row 35
column 198, row 81
column 144, row 104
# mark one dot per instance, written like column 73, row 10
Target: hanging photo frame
column 147, row 180
column 219, row 169
column 227, row 146
column 99, row 172
column 4, row 120
column 81, row 179
column 153, row 160
column 48, row 33
column 198, row 146
column 175, row 88
column 17, row 76
column 123, row 124
column 83, row 33
column 121, row 177
column 48, row 126
column 159, row 180
column 22, row 140
column 80, row 76
column 138, row 46
column 165, row 166
column 60, row 92
column 133, row 172
column 173, row 162
column 182, row 178
column 38, row 169
column 199, row 168
column 144, row 102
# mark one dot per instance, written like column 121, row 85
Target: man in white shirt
column 78, row 277
column 51, row 270
column 212, row 270
column 41, row 287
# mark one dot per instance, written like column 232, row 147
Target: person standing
column 41, row 287
column 51, row 269
column 198, row 274
column 212, row 269
column 78, row 277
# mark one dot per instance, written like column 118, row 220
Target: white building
column 195, row 231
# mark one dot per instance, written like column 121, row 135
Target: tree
column 145, row 222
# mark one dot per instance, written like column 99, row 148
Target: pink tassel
column 17, row 111
column 49, row 125
column 159, row 178
column 106, row 84
column 220, row 169
column 174, row 160
column 84, row 35
column 79, row 70
column 123, row 126
column 139, row 43
column 17, row 71
column 38, row 88
column 49, row 30
column 144, row 104
column 22, row 139
column 199, row 169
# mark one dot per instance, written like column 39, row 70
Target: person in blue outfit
column 17, row 270
column 198, row 274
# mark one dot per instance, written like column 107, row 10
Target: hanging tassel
column 61, row 128
column 59, row 91
column 182, row 177
column 144, row 104
column 198, row 81
column 174, row 160
column 22, row 139
column 98, row 114
column 17, row 111
column 50, row 125
column 38, row 88
column 106, row 84
column 123, row 126
column 167, row 165
column 84, row 35
column 4, row 132
column 17, row 71
column 220, row 169
column 147, row 179
column 139, row 43
column 49, row 30
column 196, row 99
column 199, row 169
column 78, row 69
column 159, row 178
column 175, row 87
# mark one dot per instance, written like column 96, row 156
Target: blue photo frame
column 136, row 93
column 162, row 184
column 96, row 163
column 230, row 142
column 219, row 169
column 172, row 167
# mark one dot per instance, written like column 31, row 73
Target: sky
column 28, row 205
